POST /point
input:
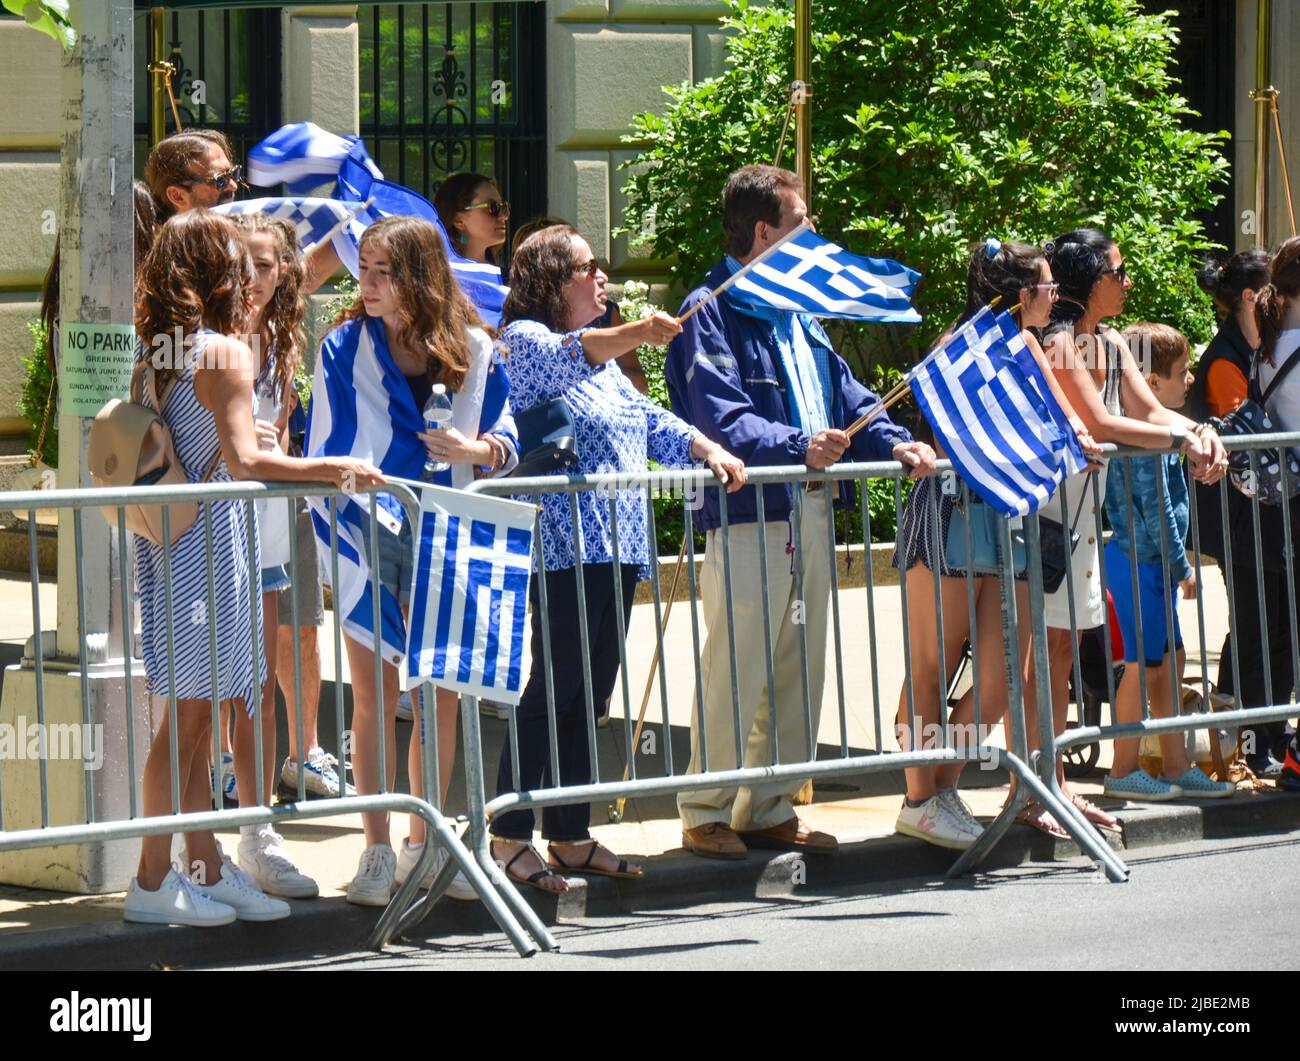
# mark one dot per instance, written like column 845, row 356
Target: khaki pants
column 763, row 805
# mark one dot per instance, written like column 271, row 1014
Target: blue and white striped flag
column 469, row 603
column 303, row 156
column 355, row 371
column 312, row 217
column 804, row 273
column 991, row 410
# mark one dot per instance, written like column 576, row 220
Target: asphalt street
column 1183, row 908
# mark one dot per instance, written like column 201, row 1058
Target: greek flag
column 355, row 371
column 991, row 409
column 312, row 217
column 304, row 156
column 804, row 273
column 469, row 603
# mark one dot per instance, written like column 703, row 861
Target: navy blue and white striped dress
column 240, row 661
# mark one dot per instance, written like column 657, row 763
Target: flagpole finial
column 993, row 304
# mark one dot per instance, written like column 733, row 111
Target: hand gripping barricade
column 109, row 813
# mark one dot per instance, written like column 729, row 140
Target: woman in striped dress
column 195, row 286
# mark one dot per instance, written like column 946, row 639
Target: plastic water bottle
column 437, row 415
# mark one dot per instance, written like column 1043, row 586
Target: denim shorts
column 274, row 579
column 396, row 562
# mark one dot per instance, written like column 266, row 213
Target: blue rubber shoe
column 1141, row 786
column 1197, row 785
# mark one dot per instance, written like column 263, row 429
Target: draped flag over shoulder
column 351, row 371
column 469, row 603
column 804, row 273
column 303, row 156
column 992, row 410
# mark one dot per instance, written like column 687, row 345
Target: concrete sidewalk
column 42, row 930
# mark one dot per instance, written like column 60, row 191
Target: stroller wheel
column 1081, row 760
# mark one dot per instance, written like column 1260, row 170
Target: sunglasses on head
column 234, row 175
column 495, row 207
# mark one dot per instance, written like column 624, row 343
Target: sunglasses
column 591, row 268
column 1120, row 272
column 495, row 207
column 234, row 175
column 1052, row 290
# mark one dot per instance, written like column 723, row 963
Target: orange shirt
column 1225, row 388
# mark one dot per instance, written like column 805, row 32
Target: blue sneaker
column 1197, row 785
column 1142, row 787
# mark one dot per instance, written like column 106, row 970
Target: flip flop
column 587, row 869
column 534, row 879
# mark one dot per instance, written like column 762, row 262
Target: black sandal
column 587, row 869
column 536, row 878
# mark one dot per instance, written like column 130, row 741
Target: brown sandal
column 1097, row 816
column 1041, row 819
column 587, row 869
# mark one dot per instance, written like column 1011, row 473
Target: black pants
column 570, row 822
column 1251, row 645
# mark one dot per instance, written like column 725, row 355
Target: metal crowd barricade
column 1279, row 705
column 505, row 906
column 784, row 762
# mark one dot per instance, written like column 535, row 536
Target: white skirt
column 1083, row 583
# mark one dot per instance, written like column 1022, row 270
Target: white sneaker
column 322, row 778
column 460, row 888
column 935, row 824
column 263, row 857
column 373, row 884
column 237, row 889
column 178, row 901
column 959, row 810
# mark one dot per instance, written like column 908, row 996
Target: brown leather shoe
column 791, row 836
column 713, row 840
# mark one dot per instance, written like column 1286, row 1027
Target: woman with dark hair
column 1277, row 314
column 474, row 214
column 1236, row 283
column 197, row 283
column 1102, row 380
column 1018, row 276
column 556, row 289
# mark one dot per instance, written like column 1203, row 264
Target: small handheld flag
column 804, row 273
column 469, row 601
column 990, row 408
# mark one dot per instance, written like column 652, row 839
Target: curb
column 331, row 925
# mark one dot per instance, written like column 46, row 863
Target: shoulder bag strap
column 1281, row 373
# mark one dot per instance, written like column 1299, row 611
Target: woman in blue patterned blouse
column 557, row 288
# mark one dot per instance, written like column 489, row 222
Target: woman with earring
column 474, row 214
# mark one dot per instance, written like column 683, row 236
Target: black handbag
column 547, row 440
column 1264, row 480
column 1051, row 537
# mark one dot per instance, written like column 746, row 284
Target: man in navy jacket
column 767, row 385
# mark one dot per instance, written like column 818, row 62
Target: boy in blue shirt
column 1136, row 520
